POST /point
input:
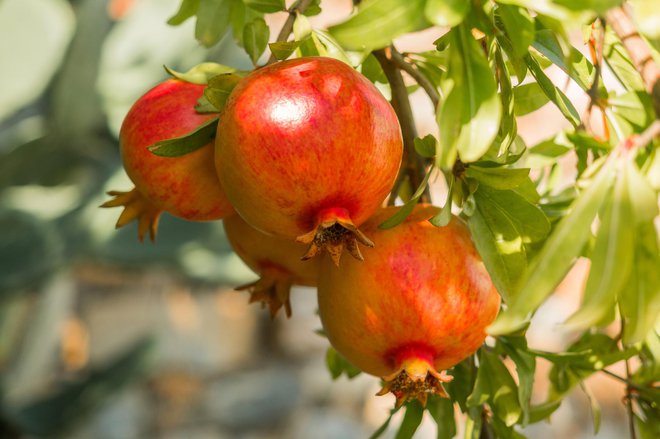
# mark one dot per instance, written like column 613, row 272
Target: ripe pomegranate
column 308, row 149
column 186, row 186
column 276, row 260
column 417, row 306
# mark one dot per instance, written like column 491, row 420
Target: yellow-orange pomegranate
column 417, row 305
column 275, row 260
column 308, row 149
column 186, row 186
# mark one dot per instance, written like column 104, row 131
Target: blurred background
column 104, row 337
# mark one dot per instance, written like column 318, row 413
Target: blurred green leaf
column 516, row 349
column 446, row 13
column 556, row 257
column 332, row 47
column 372, row 70
column 187, row 9
column 442, row 412
column 377, row 22
column 540, row 412
column 574, row 63
column 55, row 414
column 219, row 89
column 444, row 217
column 408, row 207
column 201, row 73
column 266, row 6
column 618, row 60
column 470, row 117
column 212, row 21
column 187, row 143
column 496, row 386
column 519, row 26
column 529, row 98
column 255, row 38
column 647, row 17
column 498, row 178
column 379, row 432
column 411, row 421
column 281, row 50
column 611, row 261
column 553, row 92
column 426, row 146
column 338, row 365
column 595, row 407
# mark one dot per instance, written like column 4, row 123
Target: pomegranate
column 308, row 149
column 417, row 306
column 276, row 260
column 186, row 186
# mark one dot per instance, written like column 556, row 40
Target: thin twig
column 596, row 48
column 639, row 51
column 297, row 8
column 399, row 60
column 623, row 380
column 412, row 164
column 629, row 405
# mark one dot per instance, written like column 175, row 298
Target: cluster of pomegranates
column 305, row 154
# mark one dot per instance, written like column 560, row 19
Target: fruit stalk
column 412, row 165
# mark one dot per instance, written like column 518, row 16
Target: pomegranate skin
column 186, row 186
column 275, row 260
column 305, row 142
column 420, row 302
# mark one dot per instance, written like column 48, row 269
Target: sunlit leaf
column 407, row 208
column 446, row 13
column 556, row 257
column 519, row 25
column 499, row 178
column 201, row 73
column 377, row 22
column 553, row 92
column 529, row 98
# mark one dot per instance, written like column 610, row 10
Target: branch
column 412, row 164
column 639, row 51
column 400, row 62
column 298, row 7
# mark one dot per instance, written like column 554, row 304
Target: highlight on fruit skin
column 417, row 305
column 275, row 260
column 186, row 186
column 308, row 149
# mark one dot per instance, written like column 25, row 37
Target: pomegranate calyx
column 136, row 206
column 271, row 292
column 334, row 235
column 416, row 379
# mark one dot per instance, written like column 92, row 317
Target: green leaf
column 283, row 49
column 516, row 349
column 499, row 178
column 302, row 28
column 617, row 59
column 639, row 300
column 378, row 433
column 540, row 412
column 266, row 6
column 595, row 407
column 556, row 257
column 553, row 93
column 574, row 64
column 255, row 38
column 647, row 17
column 377, row 22
column 187, row 9
column 411, row 421
column 187, row 143
column 443, row 218
column 212, row 21
column 470, row 117
column 442, row 412
column 496, row 386
column 201, row 73
column 446, row 13
column 473, row 423
column 610, row 262
column 426, row 146
column 519, row 26
column 372, row 69
column 219, row 89
column 338, row 365
column 407, row 208
column 314, row 8
column 529, row 98
column 332, row 48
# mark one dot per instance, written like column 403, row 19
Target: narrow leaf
column 187, row 9
column 407, row 208
column 556, row 257
column 519, row 25
column 201, row 73
column 499, row 178
column 446, row 13
column 442, row 412
column 610, row 262
column 377, row 22
column 283, row 49
column 411, row 421
column 443, row 218
column 265, row 6
column 187, row 143
column 212, row 21
column 255, row 38
column 552, row 92
column 528, row 98
column 219, row 89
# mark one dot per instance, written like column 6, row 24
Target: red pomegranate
column 416, row 306
column 186, row 186
column 308, row 149
column 275, row 260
